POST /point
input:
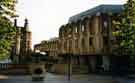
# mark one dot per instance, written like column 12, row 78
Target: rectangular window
column 76, row 30
column 65, row 45
column 105, row 40
column 82, row 28
column 76, row 43
column 91, row 27
column 90, row 41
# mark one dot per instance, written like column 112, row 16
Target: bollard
column 38, row 71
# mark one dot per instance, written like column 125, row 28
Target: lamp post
column 69, row 59
column 69, row 70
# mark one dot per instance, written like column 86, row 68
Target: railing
column 4, row 65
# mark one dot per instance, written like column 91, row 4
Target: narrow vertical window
column 105, row 40
column 65, row 45
column 90, row 41
column 91, row 28
column 105, row 24
column 76, row 30
column 82, row 28
column 70, row 46
column 83, row 44
column 76, row 43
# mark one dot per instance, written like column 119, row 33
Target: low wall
column 14, row 69
column 59, row 68
column 74, row 69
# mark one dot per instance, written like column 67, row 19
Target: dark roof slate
column 93, row 11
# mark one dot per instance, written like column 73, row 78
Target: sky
column 46, row 16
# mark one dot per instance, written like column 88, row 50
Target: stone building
column 88, row 36
column 21, row 51
column 37, row 47
column 48, row 46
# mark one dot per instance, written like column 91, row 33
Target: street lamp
column 69, row 60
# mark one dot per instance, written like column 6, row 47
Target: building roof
column 95, row 10
column 54, row 39
column 37, row 45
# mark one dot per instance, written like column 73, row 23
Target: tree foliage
column 7, row 30
column 126, row 29
column 7, row 7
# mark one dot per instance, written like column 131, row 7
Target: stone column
column 17, row 46
column 63, row 41
column 79, row 42
column 97, row 35
column 73, row 38
column 88, row 36
column 80, row 38
column 109, row 33
column 106, row 63
column 93, row 63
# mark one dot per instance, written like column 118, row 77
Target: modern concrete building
column 48, row 46
column 87, row 39
column 88, row 36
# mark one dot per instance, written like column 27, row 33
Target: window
column 60, row 34
column 69, row 30
column 90, row 41
column 69, row 36
column 76, row 30
column 98, row 14
column 76, row 43
column 105, row 24
column 91, row 27
column 83, row 43
column 70, row 45
column 82, row 28
column 65, row 45
column 105, row 40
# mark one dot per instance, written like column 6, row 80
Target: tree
column 126, row 30
column 7, row 30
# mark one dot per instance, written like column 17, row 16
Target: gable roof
column 93, row 11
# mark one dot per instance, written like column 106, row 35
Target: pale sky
column 46, row 16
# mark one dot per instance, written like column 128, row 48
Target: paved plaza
column 52, row 78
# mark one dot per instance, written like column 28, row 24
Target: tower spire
column 26, row 24
column 15, row 22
